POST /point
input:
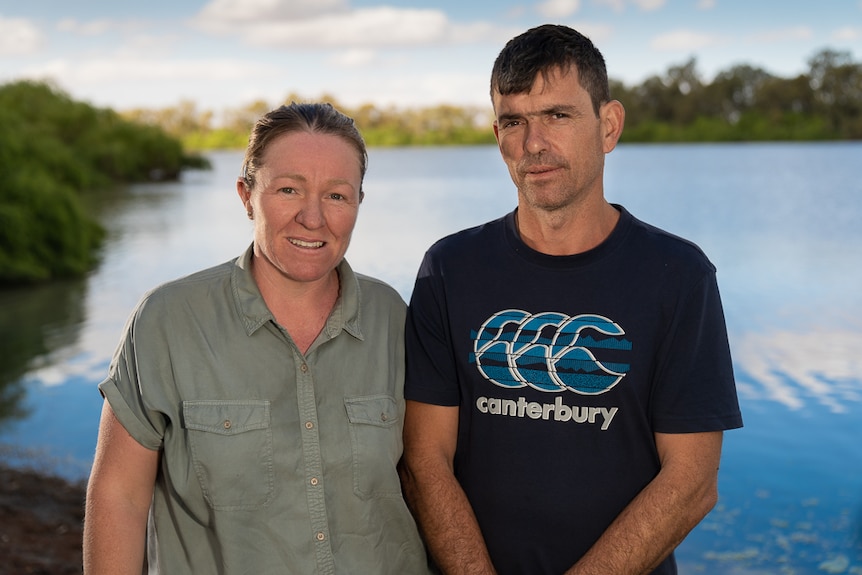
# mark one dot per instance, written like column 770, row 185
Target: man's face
column 552, row 141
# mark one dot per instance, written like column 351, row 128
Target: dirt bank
column 41, row 522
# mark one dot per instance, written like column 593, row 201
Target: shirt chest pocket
column 231, row 449
column 375, row 436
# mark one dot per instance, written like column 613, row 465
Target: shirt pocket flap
column 226, row 417
column 380, row 410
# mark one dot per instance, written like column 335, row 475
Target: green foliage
column 747, row 104
column 53, row 152
column 743, row 103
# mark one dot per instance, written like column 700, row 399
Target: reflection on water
column 793, row 368
column 779, row 221
column 37, row 322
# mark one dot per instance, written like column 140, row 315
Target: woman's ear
column 245, row 196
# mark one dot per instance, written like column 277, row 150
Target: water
column 780, row 221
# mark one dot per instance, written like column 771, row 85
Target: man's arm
column 119, row 494
column 664, row 512
column 435, row 497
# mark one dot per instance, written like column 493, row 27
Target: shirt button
column 303, row 368
column 320, row 536
column 314, row 481
column 383, row 417
column 227, row 424
column 309, row 425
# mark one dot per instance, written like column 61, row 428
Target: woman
column 253, row 411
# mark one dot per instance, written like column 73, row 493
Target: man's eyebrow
column 555, row 109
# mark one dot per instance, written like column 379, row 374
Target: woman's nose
column 310, row 215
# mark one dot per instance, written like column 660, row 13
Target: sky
column 223, row 54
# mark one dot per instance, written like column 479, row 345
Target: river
column 780, row 221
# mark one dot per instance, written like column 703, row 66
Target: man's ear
column 612, row 115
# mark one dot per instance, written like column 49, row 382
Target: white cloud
column 783, row 35
column 367, row 27
column 683, row 40
column 615, row 5
column 92, row 28
column 620, row 5
column 847, row 33
column 649, row 5
column 18, row 36
column 114, row 69
column 705, row 4
column 558, row 8
column 353, row 58
column 227, row 13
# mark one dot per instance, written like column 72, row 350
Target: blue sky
column 228, row 53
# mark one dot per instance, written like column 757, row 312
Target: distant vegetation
column 743, row 103
column 54, row 152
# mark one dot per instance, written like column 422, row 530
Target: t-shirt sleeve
column 431, row 373
column 695, row 389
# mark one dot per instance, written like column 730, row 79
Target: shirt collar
column 254, row 312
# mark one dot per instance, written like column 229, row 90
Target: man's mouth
column 305, row 244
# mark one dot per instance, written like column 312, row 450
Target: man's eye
column 287, row 190
column 336, row 196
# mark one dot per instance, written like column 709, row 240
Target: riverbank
column 41, row 523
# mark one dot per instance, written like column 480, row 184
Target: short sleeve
column 695, row 389
column 431, row 372
column 124, row 385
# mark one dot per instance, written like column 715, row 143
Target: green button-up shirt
column 272, row 461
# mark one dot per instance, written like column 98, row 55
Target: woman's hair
column 543, row 48
column 320, row 118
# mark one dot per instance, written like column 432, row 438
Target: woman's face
column 304, row 204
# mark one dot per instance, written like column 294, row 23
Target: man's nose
column 535, row 138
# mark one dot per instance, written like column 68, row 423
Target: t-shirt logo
column 549, row 351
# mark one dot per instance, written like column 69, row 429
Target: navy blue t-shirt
column 564, row 368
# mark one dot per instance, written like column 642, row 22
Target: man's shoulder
column 469, row 238
column 667, row 247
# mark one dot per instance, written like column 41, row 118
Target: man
column 568, row 370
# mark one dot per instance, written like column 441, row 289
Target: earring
column 250, row 215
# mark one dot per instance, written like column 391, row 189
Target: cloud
column 114, row 69
column 783, row 35
column 558, row 8
column 649, row 5
column 847, row 34
column 381, row 26
column 355, row 58
column 226, row 13
column 705, row 4
column 92, row 28
column 18, row 36
column 683, row 40
column 620, row 5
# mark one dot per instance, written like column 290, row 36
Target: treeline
column 201, row 129
column 743, row 103
column 54, row 154
column 746, row 103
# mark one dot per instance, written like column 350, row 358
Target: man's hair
column 541, row 49
column 320, row 118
